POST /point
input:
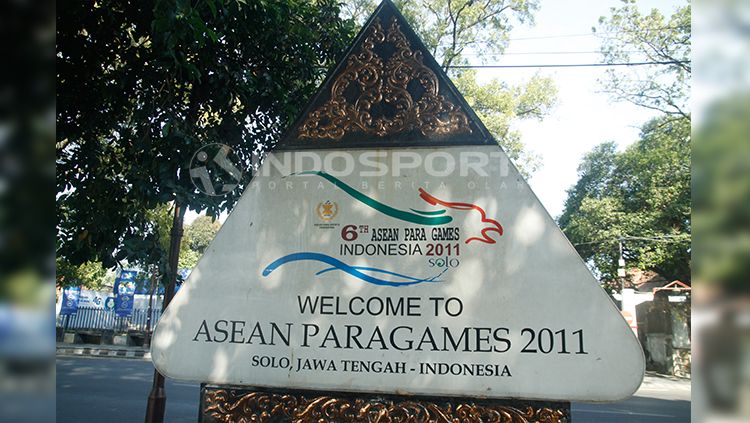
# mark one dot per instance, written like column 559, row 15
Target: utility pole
column 147, row 342
column 157, row 399
column 621, row 276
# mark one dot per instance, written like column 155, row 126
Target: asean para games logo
column 327, row 210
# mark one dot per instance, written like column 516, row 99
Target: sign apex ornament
column 387, row 91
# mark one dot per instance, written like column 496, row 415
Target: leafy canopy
column 500, row 105
column 141, row 86
column 642, row 192
column 452, row 28
column 90, row 275
column 642, row 195
column 721, row 188
column 198, row 236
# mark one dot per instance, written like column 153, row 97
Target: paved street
column 660, row 399
column 115, row 390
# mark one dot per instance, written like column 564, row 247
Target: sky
column 584, row 116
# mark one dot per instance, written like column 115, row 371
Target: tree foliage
column 499, row 106
column 450, row 28
column 201, row 232
column 198, row 236
column 90, row 275
column 641, row 195
column 358, row 10
column 721, row 188
column 631, row 36
column 141, row 86
column 27, row 172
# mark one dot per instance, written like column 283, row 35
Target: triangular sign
column 387, row 91
column 368, row 267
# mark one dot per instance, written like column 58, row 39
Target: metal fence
column 97, row 318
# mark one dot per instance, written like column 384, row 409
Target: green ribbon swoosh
column 383, row 208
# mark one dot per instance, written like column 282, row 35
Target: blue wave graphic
column 356, row 271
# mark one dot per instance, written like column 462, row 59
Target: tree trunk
column 157, row 399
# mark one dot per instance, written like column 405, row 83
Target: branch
column 488, row 16
column 448, row 59
column 523, row 113
column 638, row 98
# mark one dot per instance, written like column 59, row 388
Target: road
column 115, row 390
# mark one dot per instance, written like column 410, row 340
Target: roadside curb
column 672, row 378
column 103, row 351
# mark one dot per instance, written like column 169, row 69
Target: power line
column 656, row 238
column 541, row 37
column 590, row 34
column 584, row 34
column 570, row 65
column 547, row 37
column 506, row 53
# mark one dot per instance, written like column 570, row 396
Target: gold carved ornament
column 378, row 81
column 225, row 405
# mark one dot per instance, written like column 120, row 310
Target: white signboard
column 429, row 271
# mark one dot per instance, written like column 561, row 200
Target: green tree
column 721, row 188
column 201, row 232
column 161, row 218
column 89, row 275
column 450, row 28
column 357, row 10
column 499, row 105
column 141, row 86
column 188, row 258
column 454, row 29
column 629, row 35
column 198, row 236
column 642, row 196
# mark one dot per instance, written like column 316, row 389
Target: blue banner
column 124, row 291
column 70, row 296
column 123, row 305
column 125, row 282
